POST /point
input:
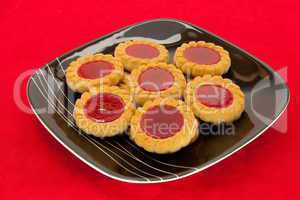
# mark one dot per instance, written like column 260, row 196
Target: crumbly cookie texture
column 125, row 81
column 194, row 69
column 80, row 84
column 141, row 96
column 106, row 129
column 211, row 114
column 187, row 134
column 131, row 62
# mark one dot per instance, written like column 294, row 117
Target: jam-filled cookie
column 214, row 99
column 156, row 80
column 200, row 58
column 163, row 126
column 104, row 111
column 92, row 70
column 135, row 53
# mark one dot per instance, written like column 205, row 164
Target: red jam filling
column 95, row 69
column 142, row 51
column 214, row 96
column 161, row 122
column 202, row 55
column 104, row 107
column 155, row 79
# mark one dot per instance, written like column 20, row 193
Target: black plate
column 267, row 97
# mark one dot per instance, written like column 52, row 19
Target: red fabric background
column 34, row 166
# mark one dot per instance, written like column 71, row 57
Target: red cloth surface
column 34, row 166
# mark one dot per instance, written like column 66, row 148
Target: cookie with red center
column 93, row 70
column 214, row 99
column 200, row 58
column 104, row 111
column 155, row 80
column 163, row 126
column 135, row 53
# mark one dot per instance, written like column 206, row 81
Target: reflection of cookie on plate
column 155, row 80
column 200, row 58
column 214, row 99
column 163, row 126
column 246, row 70
column 92, row 70
column 135, row 53
column 104, row 111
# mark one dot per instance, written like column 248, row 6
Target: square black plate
column 52, row 101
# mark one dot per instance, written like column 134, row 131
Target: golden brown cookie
column 163, row 126
column 104, row 111
column 214, row 99
column 93, row 70
column 151, row 81
column 136, row 53
column 200, row 58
